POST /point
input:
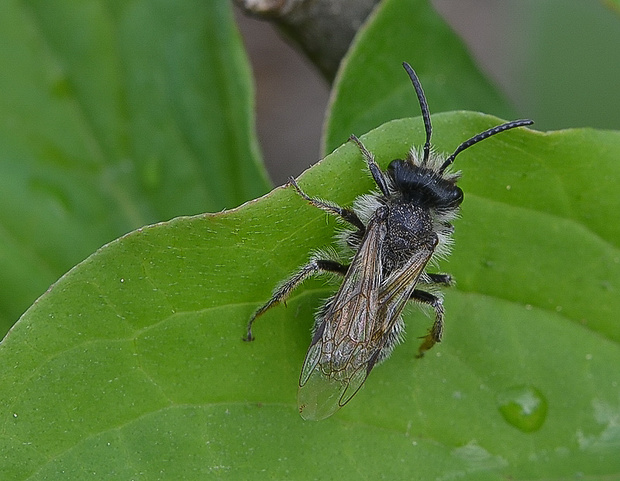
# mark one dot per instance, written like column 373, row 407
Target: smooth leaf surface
column 132, row 366
column 114, row 115
column 372, row 88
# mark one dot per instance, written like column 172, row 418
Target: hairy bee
column 394, row 233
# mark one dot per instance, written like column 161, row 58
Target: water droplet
column 524, row 407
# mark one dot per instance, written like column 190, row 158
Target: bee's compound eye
column 395, row 167
column 457, row 197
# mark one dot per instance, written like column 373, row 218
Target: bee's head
column 427, row 185
column 423, row 186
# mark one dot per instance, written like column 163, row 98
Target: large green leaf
column 114, row 115
column 132, row 366
column 371, row 87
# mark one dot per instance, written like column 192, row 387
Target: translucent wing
column 335, row 365
column 356, row 324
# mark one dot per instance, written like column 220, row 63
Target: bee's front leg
column 348, row 215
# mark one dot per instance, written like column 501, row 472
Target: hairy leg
column 314, row 267
column 345, row 214
column 435, row 332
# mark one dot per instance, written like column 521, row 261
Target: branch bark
column 322, row 29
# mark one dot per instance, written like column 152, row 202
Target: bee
column 393, row 234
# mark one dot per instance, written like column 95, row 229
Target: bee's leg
column 348, row 215
column 314, row 267
column 434, row 334
column 443, row 279
column 374, row 168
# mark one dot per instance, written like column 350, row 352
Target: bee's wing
column 400, row 284
column 335, row 365
column 355, row 326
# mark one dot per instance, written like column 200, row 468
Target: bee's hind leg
column 435, row 332
column 314, row 267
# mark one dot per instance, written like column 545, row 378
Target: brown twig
column 323, row 29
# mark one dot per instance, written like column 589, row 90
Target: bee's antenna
column 481, row 136
column 423, row 106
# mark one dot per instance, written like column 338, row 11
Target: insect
column 392, row 234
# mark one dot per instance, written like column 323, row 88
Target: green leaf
column 114, row 115
column 372, row 88
column 132, row 365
